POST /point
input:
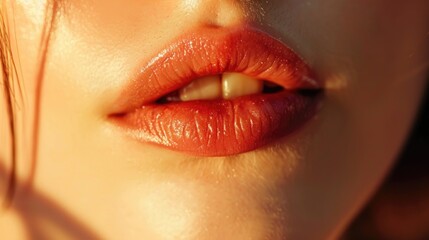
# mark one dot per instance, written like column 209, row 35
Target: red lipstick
column 218, row 127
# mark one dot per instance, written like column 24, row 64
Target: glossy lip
column 218, row 127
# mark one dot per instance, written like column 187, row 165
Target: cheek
column 373, row 59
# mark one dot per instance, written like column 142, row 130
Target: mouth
column 218, row 93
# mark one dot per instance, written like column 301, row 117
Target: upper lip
column 212, row 52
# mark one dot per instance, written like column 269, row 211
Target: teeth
column 206, row 88
column 237, row 84
column 231, row 85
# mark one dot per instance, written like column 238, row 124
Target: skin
column 92, row 181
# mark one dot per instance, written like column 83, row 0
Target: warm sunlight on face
column 135, row 142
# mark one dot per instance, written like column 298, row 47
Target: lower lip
column 220, row 127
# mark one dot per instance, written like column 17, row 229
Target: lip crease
column 218, row 127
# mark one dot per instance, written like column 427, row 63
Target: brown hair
column 12, row 95
column 9, row 77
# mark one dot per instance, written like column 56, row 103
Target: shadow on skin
column 43, row 218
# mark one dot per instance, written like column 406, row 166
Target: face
column 93, row 178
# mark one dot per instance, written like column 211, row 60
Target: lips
column 218, row 127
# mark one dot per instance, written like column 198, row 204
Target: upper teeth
column 227, row 86
column 202, row 88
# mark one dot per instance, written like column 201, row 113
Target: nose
column 224, row 13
